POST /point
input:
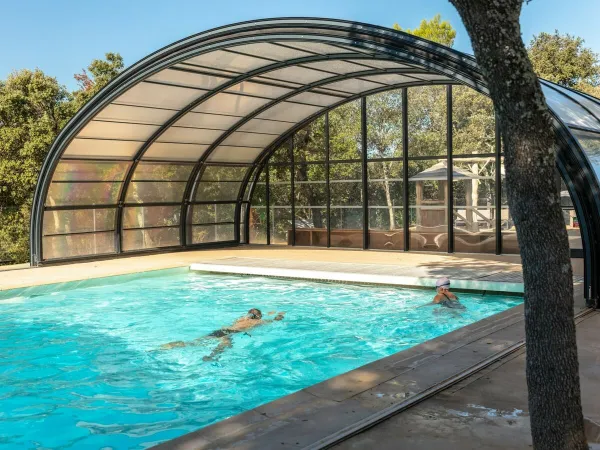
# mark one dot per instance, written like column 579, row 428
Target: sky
column 61, row 37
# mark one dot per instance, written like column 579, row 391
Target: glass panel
column 383, row 64
column 224, row 173
column 189, row 135
column 310, row 191
column 473, row 123
column 236, row 105
column 162, row 172
column 590, row 143
column 209, row 121
column 188, row 78
column 249, row 139
column 316, row 47
column 336, row 66
column 297, row 74
column 79, row 221
column 175, row 152
column 243, row 210
column 228, row 153
column 282, row 154
column 266, row 126
column 345, row 186
column 309, row 142
column 474, row 205
column 258, row 212
column 354, row 85
column 229, row 61
column 71, row 245
column 202, row 234
column 390, row 78
column 384, row 125
column 135, row 114
column 345, row 140
column 593, row 106
column 386, row 214
column 428, row 195
column 280, row 204
column 260, row 90
column 571, row 220
column 315, row 98
column 258, row 225
column 427, row 125
column 219, row 212
column 218, row 191
column 155, row 192
column 150, row 238
column 90, row 171
column 65, row 194
column 569, row 111
column 159, row 95
column 290, row 112
column 151, row 216
column 270, row 51
column 117, row 130
column 102, row 148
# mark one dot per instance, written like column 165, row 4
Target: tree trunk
column 534, row 201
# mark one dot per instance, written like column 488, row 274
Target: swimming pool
column 82, row 368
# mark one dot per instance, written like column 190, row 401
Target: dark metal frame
column 362, row 41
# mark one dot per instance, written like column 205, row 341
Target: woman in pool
column 241, row 325
column 444, row 297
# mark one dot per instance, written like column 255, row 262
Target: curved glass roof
column 189, row 124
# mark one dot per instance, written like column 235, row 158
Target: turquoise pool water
column 82, row 368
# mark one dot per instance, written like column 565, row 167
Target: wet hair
column 255, row 313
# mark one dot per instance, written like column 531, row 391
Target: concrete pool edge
column 315, row 412
column 396, row 280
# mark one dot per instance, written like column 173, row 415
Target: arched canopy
column 184, row 131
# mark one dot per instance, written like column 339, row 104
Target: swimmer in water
column 444, row 297
column 242, row 325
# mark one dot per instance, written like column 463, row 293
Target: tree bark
column 529, row 146
column 388, row 195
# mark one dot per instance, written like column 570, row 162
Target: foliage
column 562, row 58
column 33, row 109
column 434, row 30
column 100, row 74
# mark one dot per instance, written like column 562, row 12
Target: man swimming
column 242, row 325
column 444, row 297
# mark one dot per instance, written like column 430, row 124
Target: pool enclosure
column 307, row 132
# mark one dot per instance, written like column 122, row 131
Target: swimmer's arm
column 174, row 344
column 280, row 315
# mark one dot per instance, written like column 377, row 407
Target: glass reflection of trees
column 327, row 160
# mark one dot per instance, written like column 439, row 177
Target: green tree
column 98, row 74
column 434, row 30
column 562, row 58
column 33, row 109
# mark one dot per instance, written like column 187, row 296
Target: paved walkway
column 487, row 411
column 430, row 262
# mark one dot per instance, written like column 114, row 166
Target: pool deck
column 317, row 416
column 504, row 268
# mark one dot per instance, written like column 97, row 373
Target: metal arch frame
column 355, row 34
column 572, row 163
column 388, row 43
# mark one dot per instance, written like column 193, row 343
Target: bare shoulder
column 438, row 298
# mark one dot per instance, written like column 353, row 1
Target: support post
column 365, row 190
column 449, row 163
column 405, row 196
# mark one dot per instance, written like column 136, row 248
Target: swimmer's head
column 254, row 314
column 442, row 284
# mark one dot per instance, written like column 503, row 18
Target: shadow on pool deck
column 488, row 410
